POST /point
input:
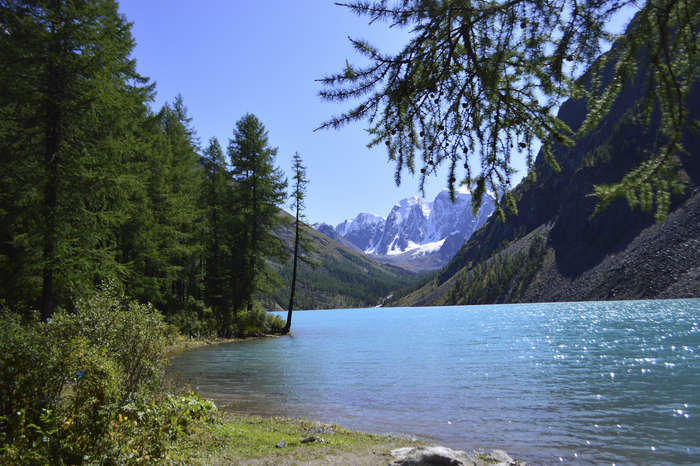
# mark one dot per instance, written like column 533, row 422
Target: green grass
column 237, row 439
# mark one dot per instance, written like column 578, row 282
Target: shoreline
column 260, row 440
column 182, row 343
column 237, row 438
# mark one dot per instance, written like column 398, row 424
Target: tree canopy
column 258, row 189
column 69, row 101
column 481, row 79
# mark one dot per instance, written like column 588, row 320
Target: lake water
column 598, row 382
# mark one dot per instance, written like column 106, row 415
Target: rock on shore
column 439, row 456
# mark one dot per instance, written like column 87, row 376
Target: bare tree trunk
column 54, row 89
column 288, row 325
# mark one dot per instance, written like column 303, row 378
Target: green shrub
column 133, row 335
column 195, row 319
column 275, row 324
column 66, row 386
column 93, row 390
column 31, row 381
column 257, row 322
column 144, row 431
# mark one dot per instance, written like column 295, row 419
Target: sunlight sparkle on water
column 632, row 388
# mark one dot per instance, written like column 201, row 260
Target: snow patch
column 419, row 225
column 416, row 249
column 428, row 248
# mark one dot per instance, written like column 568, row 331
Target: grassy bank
column 239, row 439
column 235, row 439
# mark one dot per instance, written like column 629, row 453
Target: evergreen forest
column 98, row 187
column 119, row 231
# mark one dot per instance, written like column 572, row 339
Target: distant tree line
column 338, row 281
column 97, row 186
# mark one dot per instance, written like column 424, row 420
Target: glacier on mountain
column 416, row 227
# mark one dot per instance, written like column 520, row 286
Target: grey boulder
column 443, row 456
column 428, row 456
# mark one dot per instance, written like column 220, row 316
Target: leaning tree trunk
column 288, row 325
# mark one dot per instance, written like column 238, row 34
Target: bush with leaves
column 68, row 387
column 195, row 320
column 30, row 385
column 144, row 431
column 256, row 322
column 132, row 334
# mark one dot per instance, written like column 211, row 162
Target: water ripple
column 583, row 383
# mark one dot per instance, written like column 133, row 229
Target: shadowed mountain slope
column 555, row 250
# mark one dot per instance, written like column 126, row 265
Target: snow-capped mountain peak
column 362, row 230
column 416, row 227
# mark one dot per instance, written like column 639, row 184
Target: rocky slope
column 556, row 250
column 416, row 234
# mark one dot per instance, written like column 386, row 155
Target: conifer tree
column 258, row 189
column 219, row 219
column 481, row 79
column 70, row 99
column 298, row 195
column 186, row 176
column 141, row 236
column 174, row 186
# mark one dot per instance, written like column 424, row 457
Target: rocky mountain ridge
column 416, row 234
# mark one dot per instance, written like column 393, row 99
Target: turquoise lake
column 585, row 383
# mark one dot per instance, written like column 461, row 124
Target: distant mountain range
column 417, row 234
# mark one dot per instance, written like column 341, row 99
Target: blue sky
column 231, row 57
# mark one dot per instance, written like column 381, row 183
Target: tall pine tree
column 218, row 205
column 258, row 189
column 298, row 195
column 166, row 268
column 70, row 99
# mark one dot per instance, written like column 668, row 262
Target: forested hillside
column 337, row 277
column 557, row 249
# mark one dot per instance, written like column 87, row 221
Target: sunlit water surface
column 598, row 382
